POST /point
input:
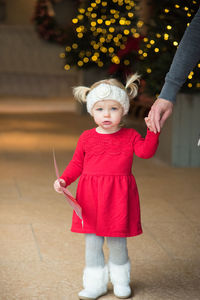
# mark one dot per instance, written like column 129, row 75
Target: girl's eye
column 99, row 109
column 114, row 108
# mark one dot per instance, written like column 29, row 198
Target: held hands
column 57, row 185
column 148, row 123
column 160, row 111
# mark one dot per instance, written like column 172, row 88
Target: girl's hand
column 149, row 123
column 57, row 185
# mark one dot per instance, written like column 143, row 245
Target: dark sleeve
column 75, row 167
column 186, row 57
column 146, row 147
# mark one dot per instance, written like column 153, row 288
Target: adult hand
column 160, row 111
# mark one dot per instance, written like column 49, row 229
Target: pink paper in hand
column 70, row 199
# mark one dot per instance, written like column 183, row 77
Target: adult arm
column 184, row 61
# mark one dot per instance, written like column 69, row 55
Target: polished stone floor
column 40, row 259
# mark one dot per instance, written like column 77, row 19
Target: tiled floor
column 40, row 259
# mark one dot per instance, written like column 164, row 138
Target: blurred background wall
column 29, row 66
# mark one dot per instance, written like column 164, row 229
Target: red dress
column 107, row 191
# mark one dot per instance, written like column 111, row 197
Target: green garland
column 47, row 26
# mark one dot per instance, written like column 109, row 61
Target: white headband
column 106, row 91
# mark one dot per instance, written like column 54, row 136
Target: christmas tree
column 165, row 30
column 102, row 29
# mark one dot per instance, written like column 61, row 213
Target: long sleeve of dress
column 146, row 147
column 184, row 61
column 75, row 167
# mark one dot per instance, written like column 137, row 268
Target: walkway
column 40, row 259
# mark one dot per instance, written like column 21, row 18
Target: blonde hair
column 131, row 87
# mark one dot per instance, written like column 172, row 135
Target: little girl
column 107, row 190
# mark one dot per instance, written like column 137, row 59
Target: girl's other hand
column 149, row 123
column 57, row 185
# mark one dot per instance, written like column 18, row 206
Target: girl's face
column 107, row 115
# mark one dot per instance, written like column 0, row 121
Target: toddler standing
column 107, row 190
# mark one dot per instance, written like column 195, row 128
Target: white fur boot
column 120, row 278
column 95, row 282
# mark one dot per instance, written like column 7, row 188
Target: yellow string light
column 112, row 11
column 115, row 59
column 126, row 62
column 99, row 21
column 136, row 35
column 104, row 3
column 74, row 46
column 122, row 46
column 82, row 10
column 158, row 35
column 67, row 67
column 102, row 39
column 190, row 75
column 175, row 43
column 122, row 22
column 166, row 36
column 100, row 64
column 156, row 49
column 80, row 17
column 62, row 55
column 68, row 48
column 131, row 15
column 96, row 46
column 107, row 22
column 75, row 20
column 93, row 23
column 103, row 49
column 149, row 70
column 169, row 27
column 94, row 58
column 86, row 59
column 80, row 63
column 140, row 24
column 90, row 9
column 126, row 31
column 190, row 85
column 81, row 54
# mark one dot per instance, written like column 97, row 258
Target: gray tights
column 94, row 256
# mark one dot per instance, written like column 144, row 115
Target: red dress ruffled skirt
column 107, row 191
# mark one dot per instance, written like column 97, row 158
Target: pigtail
column 80, row 93
column 132, row 86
